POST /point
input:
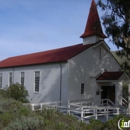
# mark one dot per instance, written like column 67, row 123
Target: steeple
column 93, row 30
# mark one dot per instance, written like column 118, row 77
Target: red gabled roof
column 93, row 26
column 110, row 75
column 50, row 56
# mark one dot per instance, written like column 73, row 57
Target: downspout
column 13, row 76
column 60, row 81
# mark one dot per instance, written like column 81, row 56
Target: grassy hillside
column 15, row 116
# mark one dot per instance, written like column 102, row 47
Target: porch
column 110, row 85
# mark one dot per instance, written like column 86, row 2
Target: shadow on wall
column 87, row 63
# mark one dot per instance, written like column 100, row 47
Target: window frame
column 37, row 88
column 22, row 79
column 82, row 88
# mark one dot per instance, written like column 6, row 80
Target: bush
column 112, row 124
column 17, row 92
column 95, row 125
column 26, row 123
column 15, row 116
column 54, row 120
column 12, row 110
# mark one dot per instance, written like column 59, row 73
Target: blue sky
column 28, row 26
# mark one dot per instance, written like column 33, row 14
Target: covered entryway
column 108, row 92
column 110, row 85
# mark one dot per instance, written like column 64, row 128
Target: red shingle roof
column 51, row 56
column 93, row 26
column 110, row 75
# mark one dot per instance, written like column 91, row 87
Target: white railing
column 124, row 101
column 83, row 109
column 93, row 111
column 106, row 102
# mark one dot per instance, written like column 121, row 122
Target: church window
column 37, row 81
column 22, row 78
column 82, row 88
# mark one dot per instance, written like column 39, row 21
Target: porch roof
column 110, row 75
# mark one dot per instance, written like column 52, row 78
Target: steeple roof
column 93, row 26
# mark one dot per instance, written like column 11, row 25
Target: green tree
column 17, row 92
column 116, row 20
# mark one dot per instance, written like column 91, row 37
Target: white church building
column 80, row 71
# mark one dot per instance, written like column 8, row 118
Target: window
column 0, row 80
column 98, row 92
column 82, row 88
column 37, row 81
column 10, row 79
column 22, row 78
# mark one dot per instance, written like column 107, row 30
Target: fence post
column 32, row 107
column 41, row 106
column 117, row 111
column 95, row 113
column 82, row 113
column 68, row 109
column 56, row 105
column 81, row 103
column 106, row 114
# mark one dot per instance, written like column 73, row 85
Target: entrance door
column 108, row 92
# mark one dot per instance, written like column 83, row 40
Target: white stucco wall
column 49, row 81
column 84, row 68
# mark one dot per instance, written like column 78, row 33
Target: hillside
column 15, row 116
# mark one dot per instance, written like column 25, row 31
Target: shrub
column 15, row 116
column 26, row 123
column 12, row 110
column 17, row 92
column 54, row 120
column 112, row 124
column 94, row 125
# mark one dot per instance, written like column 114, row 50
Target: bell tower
column 93, row 30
